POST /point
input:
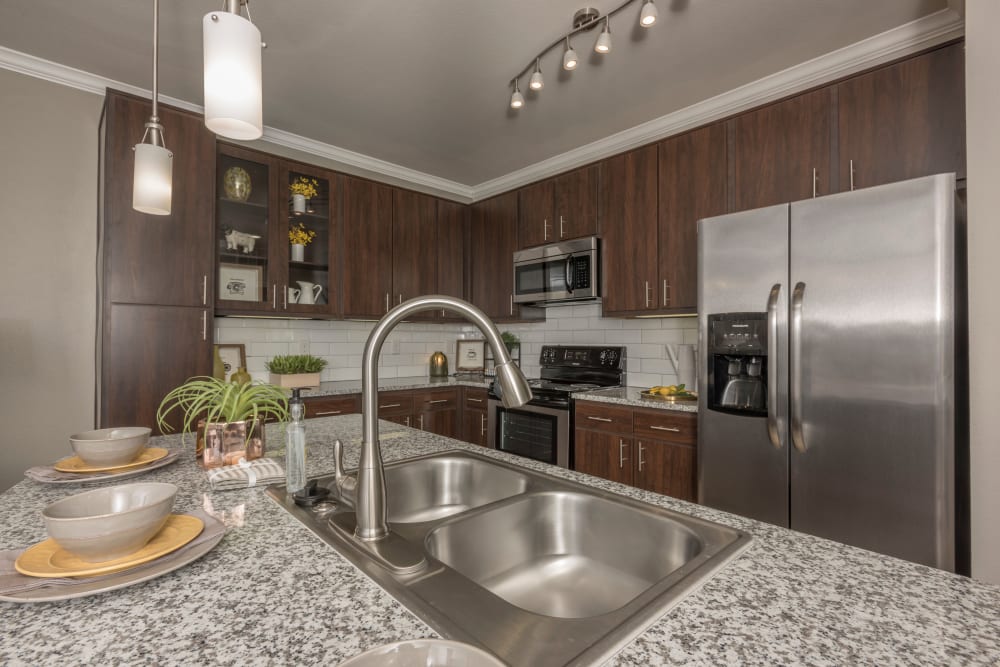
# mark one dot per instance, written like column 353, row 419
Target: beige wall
column 48, row 223
column 982, row 72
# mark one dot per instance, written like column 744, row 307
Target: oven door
column 531, row 431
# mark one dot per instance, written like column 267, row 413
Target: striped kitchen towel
column 245, row 474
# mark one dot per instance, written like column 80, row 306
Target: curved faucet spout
column 371, row 507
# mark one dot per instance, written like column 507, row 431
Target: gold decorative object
column 237, row 184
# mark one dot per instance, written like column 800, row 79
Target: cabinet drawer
column 679, row 427
column 394, row 403
column 438, row 399
column 475, row 399
column 328, row 406
column 603, row 417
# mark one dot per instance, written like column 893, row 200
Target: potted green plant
column 510, row 341
column 228, row 417
column 295, row 370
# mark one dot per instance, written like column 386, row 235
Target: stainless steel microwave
column 559, row 273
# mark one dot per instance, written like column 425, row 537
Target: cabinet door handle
column 599, row 419
column 666, row 292
column 400, row 299
column 815, row 181
column 274, row 296
column 545, row 229
column 649, row 301
column 204, row 325
column 421, row 422
column 391, row 405
column 474, row 400
column 852, row 175
column 284, row 296
column 641, row 461
column 621, row 453
column 439, row 400
column 407, row 421
column 562, row 231
column 482, row 424
column 665, row 428
column 329, row 412
column 204, row 290
column 511, row 304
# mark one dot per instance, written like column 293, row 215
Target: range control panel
column 583, row 356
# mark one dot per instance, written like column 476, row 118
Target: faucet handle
column 346, row 484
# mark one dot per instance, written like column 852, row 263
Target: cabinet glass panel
column 309, row 242
column 242, row 231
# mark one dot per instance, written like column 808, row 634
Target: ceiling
column 424, row 85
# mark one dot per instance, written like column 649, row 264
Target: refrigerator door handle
column 772, row 370
column 795, row 368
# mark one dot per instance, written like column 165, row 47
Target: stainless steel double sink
column 536, row 569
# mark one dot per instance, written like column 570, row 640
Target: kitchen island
column 273, row 593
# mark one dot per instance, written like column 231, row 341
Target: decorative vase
column 298, row 204
column 240, row 376
column 224, row 444
column 298, row 252
column 237, row 184
column 218, row 366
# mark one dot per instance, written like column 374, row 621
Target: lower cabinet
column 648, row 448
column 474, row 416
column 436, row 411
column 330, row 406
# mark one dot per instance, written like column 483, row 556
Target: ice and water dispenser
column 737, row 363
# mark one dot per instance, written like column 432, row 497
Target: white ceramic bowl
column 112, row 522
column 110, row 446
column 424, row 653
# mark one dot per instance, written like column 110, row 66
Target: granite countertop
column 272, row 593
column 345, row 387
column 631, row 396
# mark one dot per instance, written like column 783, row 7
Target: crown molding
column 898, row 42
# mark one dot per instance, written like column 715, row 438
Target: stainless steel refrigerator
column 830, row 378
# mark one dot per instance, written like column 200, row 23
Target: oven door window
column 541, row 277
column 528, row 434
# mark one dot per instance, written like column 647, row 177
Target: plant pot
column 298, row 204
column 295, row 380
column 298, row 252
column 224, row 444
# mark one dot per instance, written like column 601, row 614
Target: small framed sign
column 233, row 356
column 239, row 282
column 470, row 356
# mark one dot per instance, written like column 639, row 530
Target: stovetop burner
column 570, row 369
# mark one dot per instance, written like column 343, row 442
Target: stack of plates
column 73, row 470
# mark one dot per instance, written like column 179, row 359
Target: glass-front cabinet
column 275, row 236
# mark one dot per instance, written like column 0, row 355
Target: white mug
column 293, row 295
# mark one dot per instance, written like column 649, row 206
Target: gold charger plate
column 47, row 559
column 689, row 398
column 76, row 464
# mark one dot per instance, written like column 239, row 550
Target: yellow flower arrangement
column 307, row 187
column 299, row 235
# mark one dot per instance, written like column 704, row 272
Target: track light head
column 603, row 44
column 536, row 82
column 648, row 15
column 516, row 98
column 570, row 60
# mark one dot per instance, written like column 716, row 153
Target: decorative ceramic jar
column 237, row 184
column 298, row 252
column 298, row 204
column 241, row 376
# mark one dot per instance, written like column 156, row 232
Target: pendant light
column 536, row 82
column 603, row 44
column 569, row 57
column 648, row 15
column 152, row 173
column 233, row 90
column 516, row 98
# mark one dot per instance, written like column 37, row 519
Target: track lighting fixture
column 569, row 57
column 584, row 20
column 536, row 82
column 232, row 47
column 648, row 15
column 152, row 173
column 603, row 44
column 516, row 98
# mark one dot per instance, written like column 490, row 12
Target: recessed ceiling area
column 425, row 85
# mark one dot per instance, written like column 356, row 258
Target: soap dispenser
column 295, row 450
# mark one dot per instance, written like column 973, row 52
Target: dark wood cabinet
column 298, row 278
column 146, row 351
column 474, row 415
column 693, row 183
column 903, row 121
column 414, row 245
column 157, row 259
column 436, row 411
column 453, row 221
column 330, row 406
column 155, row 312
column 782, row 152
column 492, row 242
column 559, row 208
column 367, row 247
column 648, row 448
column 628, row 221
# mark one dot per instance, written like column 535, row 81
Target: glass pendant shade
column 152, row 176
column 233, row 106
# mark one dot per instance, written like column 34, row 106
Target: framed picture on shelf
column 233, row 356
column 470, row 356
column 241, row 283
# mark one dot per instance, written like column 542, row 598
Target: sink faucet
column 368, row 486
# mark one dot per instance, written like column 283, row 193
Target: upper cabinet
column 564, row 207
column 414, row 245
column 453, row 221
column 782, row 152
column 367, row 247
column 308, row 237
column 903, row 121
